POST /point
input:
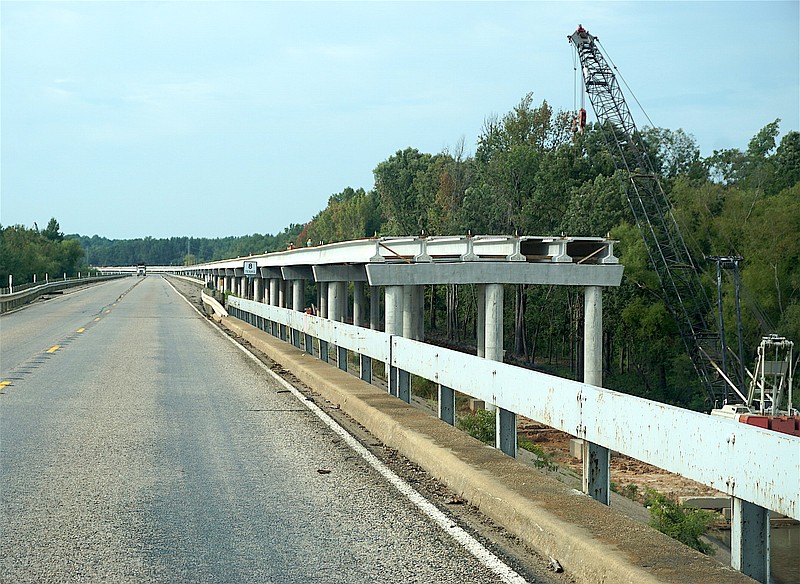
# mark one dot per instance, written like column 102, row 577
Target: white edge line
column 506, row 573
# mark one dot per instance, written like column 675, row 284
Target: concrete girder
column 342, row 273
column 560, row 274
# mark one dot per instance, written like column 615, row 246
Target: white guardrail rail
column 743, row 461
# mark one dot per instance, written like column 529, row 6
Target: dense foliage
column 531, row 175
column 27, row 252
column 179, row 251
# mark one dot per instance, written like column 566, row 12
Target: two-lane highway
column 148, row 448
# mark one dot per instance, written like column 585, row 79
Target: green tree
column 404, row 192
column 53, row 231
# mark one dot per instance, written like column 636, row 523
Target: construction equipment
column 769, row 399
column 683, row 292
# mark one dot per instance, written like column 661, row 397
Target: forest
column 531, row 174
column 25, row 252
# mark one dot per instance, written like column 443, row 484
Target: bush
column 544, row 459
column 686, row 524
column 479, row 425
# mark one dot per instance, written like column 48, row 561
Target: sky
column 210, row 119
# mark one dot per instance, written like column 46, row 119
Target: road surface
column 138, row 444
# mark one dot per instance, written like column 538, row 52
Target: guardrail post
column 447, row 405
column 596, row 458
column 365, row 368
column 750, row 539
column 506, row 432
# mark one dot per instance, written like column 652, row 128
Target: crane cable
column 575, row 92
column 756, row 310
column 618, row 74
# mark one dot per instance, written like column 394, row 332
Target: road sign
column 250, row 268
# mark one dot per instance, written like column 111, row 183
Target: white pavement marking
column 473, row 546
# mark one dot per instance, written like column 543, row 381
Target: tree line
column 531, row 174
column 28, row 252
column 180, row 251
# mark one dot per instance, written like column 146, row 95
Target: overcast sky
column 128, row 119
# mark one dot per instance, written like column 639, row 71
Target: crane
column 678, row 275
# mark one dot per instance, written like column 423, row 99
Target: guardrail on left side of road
column 16, row 299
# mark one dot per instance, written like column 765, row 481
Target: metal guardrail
column 29, row 293
column 745, row 462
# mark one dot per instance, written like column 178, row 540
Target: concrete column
column 227, row 283
column 334, row 301
column 323, row 299
column 273, row 291
column 418, row 310
column 298, row 294
column 393, row 302
column 596, row 458
column 750, row 539
column 408, row 312
column 359, row 304
column 593, row 336
column 344, row 308
column 481, row 320
column 282, row 300
column 505, row 421
column 258, row 289
column 409, row 325
column 374, row 308
column 493, row 324
column 337, row 291
column 393, row 305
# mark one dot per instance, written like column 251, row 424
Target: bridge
column 266, row 306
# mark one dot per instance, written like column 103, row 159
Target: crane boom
column 678, row 275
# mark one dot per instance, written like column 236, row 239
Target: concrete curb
column 594, row 543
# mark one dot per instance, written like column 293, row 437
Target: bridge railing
column 745, row 462
column 29, row 292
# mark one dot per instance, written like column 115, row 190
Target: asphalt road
column 148, row 448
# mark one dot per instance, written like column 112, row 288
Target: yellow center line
column 81, row 330
column 96, row 319
column 54, row 348
column 4, row 384
column 107, row 311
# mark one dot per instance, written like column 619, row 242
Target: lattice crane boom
column 678, row 275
